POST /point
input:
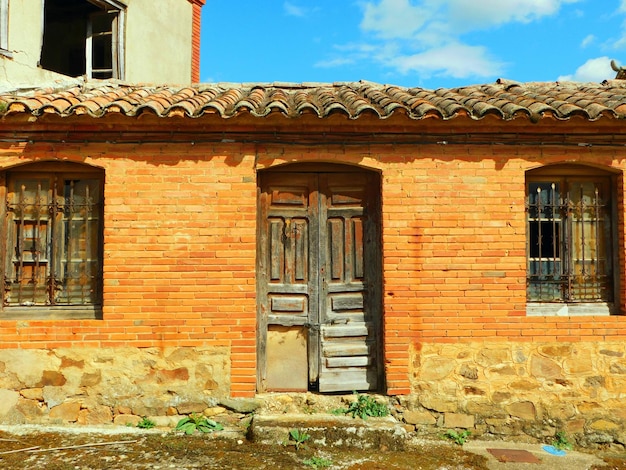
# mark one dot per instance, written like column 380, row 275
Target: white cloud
column 621, row 42
column 354, row 52
column 429, row 37
column 473, row 14
column 394, row 18
column 334, row 62
column 294, row 10
column 405, row 18
column 589, row 39
column 594, row 70
column 356, row 47
column 453, row 60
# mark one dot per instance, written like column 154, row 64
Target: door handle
column 312, row 326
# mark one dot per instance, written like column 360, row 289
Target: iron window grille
column 569, row 240
column 53, row 240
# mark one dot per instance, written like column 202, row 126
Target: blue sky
column 414, row 43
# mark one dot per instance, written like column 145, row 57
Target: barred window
column 569, row 236
column 53, row 252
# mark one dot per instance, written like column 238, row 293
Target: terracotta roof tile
column 504, row 99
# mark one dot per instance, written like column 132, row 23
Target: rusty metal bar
column 567, row 246
column 52, row 213
column 529, row 275
column 21, row 209
column 555, row 209
column 36, row 255
column 581, row 222
column 69, row 233
column 87, row 257
column 540, row 210
column 597, row 213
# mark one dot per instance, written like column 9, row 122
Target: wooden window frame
column 63, row 172
column 109, row 7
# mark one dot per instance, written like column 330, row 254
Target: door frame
column 375, row 283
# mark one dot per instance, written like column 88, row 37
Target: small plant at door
column 317, row 462
column 459, row 437
column 196, row 422
column 146, row 423
column 561, row 442
column 363, row 407
column 299, row 437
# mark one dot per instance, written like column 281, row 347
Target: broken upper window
column 83, row 37
column 569, row 236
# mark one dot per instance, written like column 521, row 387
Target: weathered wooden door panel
column 349, row 317
column 288, row 210
column 319, row 269
column 287, row 356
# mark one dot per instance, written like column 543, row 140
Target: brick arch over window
column 51, row 241
column 571, row 240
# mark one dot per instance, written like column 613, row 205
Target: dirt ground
column 75, row 449
column 177, row 451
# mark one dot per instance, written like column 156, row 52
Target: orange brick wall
column 179, row 262
column 180, row 243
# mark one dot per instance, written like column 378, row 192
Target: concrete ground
column 151, row 448
column 386, row 432
column 330, row 431
column 570, row 461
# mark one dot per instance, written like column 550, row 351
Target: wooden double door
column 319, row 281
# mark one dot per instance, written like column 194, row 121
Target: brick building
column 463, row 248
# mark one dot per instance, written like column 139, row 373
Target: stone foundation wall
column 99, row 386
column 506, row 390
column 534, row 389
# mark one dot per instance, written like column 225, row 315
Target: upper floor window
column 570, row 238
column 53, row 241
column 84, row 37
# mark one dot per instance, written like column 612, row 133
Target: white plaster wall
column 24, row 41
column 26, row 28
column 158, row 41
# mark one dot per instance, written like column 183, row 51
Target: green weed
column 196, row 422
column 364, row 406
column 561, row 442
column 299, row 437
column 317, row 462
column 146, row 423
column 459, row 437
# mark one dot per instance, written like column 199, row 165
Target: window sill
column 82, row 312
column 545, row 309
column 6, row 53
